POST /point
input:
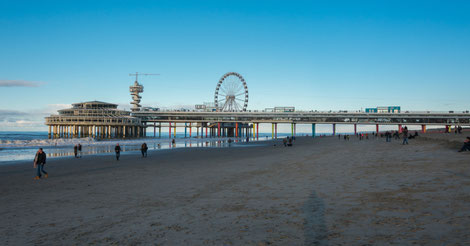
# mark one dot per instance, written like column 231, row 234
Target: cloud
column 19, row 83
column 6, row 113
column 32, row 119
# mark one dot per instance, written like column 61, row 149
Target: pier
column 219, row 123
column 228, row 117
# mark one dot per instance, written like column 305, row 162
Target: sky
column 314, row 55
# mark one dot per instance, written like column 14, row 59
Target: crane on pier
column 136, row 89
column 136, row 74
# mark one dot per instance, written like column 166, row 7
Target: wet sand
column 322, row 191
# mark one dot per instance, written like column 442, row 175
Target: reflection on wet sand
column 67, row 151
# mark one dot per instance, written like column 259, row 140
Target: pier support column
column 190, row 130
column 160, row 130
column 355, row 129
column 334, row 129
column 257, row 130
column 275, row 130
column 218, row 129
column 236, row 130
column 292, row 129
column 313, row 130
column 399, row 128
column 377, row 129
column 49, row 132
column 253, row 135
column 185, row 129
column 272, row 130
column 423, row 128
column 169, row 129
column 174, row 131
column 206, row 130
column 202, row 131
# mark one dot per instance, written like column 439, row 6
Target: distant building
column 206, row 107
column 280, row 109
column 150, row 109
column 384, row 109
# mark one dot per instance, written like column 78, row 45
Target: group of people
column 288, row 141
column 388, row 135
column 143, row 150
column 458, row 129
column 362, row 136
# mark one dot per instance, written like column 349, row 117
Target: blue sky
column 309, row 54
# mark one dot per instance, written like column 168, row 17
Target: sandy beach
column 321, row 191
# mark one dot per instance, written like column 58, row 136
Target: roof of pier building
column 93, row 113
column 94, row 108
column 94, row 105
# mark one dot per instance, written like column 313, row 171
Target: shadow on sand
column 315, row 230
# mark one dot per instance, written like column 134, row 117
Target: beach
column 321, row 191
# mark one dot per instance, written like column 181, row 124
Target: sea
column 18, row 146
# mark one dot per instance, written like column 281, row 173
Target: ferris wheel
column 231, row 93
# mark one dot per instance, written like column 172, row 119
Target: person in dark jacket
column 117, row 149
column 466, row 145
column 79, row 151
column 405, row 136
column 144, row 149
column 39, row 162
column 75, row 150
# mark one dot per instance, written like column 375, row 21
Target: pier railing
column 344, row 117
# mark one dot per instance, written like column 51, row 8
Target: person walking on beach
column 117, row 149
column 75, row 150
column 466, row 145
column 405, row 136
column 284, row 141
column 396, row 135
column 39, row 162
column 79, row 150
column 144, row 149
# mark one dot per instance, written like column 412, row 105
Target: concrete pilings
column 95, row 131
